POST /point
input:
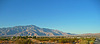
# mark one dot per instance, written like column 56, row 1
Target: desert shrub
column 23, row 41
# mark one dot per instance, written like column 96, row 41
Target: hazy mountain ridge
column 30, row 30
column 90, row 34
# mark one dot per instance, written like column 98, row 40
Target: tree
column 34, row 37
column 14, row 37
column 26, row 36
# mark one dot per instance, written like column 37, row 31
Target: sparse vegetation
column 55, row 39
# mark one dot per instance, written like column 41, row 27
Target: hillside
column 30, row 30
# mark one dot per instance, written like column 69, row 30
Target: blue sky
column 74, row 16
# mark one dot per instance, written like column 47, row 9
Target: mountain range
column 30, row 30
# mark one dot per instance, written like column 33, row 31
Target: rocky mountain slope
column 30, row 30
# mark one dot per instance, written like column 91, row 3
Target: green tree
column 34, row 37
column 26, row 36
column 14, row 37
